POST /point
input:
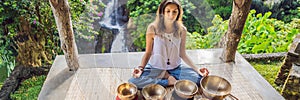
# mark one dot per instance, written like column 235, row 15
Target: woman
column 165, row 47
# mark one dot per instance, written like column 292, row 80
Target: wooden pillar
column 291, row 88
column 240, row 11
column 292, row 56
column 61, row 12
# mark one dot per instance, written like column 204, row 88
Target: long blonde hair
column 159, row 20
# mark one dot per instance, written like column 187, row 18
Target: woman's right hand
column 137, row 72
column 203, row 72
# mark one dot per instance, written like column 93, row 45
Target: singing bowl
column 215, row 87
column 154, row 92
column 127, row 91
column 185, row 88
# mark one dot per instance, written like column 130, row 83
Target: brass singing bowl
column 185, row 88
column 154, row 92
column 127, row 91
column 216, row 87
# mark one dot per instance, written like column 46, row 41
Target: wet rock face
column 104, row 41
column 113, row 27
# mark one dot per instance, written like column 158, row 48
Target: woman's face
column 171, row 12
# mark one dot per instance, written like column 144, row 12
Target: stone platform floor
column 100, row 74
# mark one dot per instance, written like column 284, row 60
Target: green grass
column 269, row 71
column 29, row 89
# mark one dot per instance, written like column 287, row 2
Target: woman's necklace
column 168, row 41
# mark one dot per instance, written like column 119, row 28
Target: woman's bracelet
column 141, row 67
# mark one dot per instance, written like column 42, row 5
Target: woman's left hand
column 203, row 72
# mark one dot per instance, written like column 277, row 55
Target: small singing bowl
column 185, row 88
column 127, row 91
column 154, row 92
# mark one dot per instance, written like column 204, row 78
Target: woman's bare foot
column 167, row 75
column 164, row 75
column 171, row 80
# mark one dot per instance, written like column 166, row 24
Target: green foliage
column 86, row 25
column 260, row 35
column 211, row 39
column 29, row 89
column 193, row 17
column 3, row 67
column 9, row 63
column 287, row 10
column 3, row 75
column 291, row 14
column 264, row 35
column 221, row 7
column 77, row 7
column 41, row 23
column 7, row 60
column 140, row 7
column 269, row 70
column 139, row 35
column 203, row 14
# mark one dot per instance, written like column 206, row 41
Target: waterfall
column 111, row 21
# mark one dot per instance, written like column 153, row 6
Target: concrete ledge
column 100, row 74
